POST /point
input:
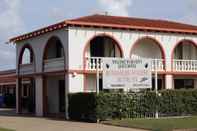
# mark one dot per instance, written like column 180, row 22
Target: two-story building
column 62, row 58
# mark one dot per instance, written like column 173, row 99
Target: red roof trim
column 39, row 32
column 92, row 23
column 131, row 27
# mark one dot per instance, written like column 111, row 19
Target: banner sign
column 121, row 73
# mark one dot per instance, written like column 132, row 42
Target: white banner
column 121, row 73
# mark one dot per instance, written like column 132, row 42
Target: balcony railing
column 93, row 62
column 26, row 69
column 54, row 64
column 185, row 65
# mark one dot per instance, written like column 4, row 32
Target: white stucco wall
column 38, row 45
column 79, row 37
column 74, row 40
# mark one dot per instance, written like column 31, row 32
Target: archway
column 54, row 82
column 185, row 49
column 147, row 47
column 26, row 86
column 184, row 56
column 150, row 48
column 98, row 47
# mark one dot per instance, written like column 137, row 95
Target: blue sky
column 20, row 16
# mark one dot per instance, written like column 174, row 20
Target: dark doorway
column 183, row 84
column 102, row 47
column 61, row 96
column 28, row 97
column 159, row 82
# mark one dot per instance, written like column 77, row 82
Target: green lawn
column 164, row 124
column 3, row 129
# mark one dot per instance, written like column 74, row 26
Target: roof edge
column 72, row 22
column 38, row 32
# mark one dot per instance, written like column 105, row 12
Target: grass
column 163, row 124
column 3, row 129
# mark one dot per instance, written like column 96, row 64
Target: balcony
column 26, row 69
column 185, row 65
column 93, row 62
column 55, row 64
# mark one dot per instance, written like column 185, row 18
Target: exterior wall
column 79, row 37
column 38, row 45
column 91, row 80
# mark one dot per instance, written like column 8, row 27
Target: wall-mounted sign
column 121, row 73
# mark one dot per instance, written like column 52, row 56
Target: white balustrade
column 26, row 69
column 93, row 62
column 157, row 64
column 185, row 65
column 54, row 64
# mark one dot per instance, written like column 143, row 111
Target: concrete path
column 21, row 123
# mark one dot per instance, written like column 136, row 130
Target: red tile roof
column 118, row 22
column 8, row 76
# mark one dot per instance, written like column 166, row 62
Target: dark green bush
column 83, row 106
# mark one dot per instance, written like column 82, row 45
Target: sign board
column 121, row 73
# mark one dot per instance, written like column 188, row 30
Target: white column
column 66, row 96
column 39, row 95
column 17, row 96
column 169, row 82
column 168, row 64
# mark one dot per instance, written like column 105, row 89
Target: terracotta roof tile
column 115, row 22
column 135, row 22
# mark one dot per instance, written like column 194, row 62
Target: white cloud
column 116, row 7
column 11, row 24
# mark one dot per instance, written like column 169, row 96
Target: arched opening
column 147, row 48
column 26, row 87
column 26, row 55
column 54, row 84
column 99, row 46
column 185, row 50
column 184, row 56
column 26, row 58
column 150, row 48
column 104, row 46
column 53, row 49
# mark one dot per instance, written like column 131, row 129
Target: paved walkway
column 9, row 120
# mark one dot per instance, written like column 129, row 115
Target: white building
column 63, row 57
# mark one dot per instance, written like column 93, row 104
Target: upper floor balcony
column 94, row 63
column 184, row 65
column 54, row 64
column 26, row 69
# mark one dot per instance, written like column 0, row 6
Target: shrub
column 83, row 106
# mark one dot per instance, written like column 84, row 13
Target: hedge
column 90, row 106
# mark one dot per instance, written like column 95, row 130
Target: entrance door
column 61, row 96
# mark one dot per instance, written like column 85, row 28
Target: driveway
column 8, row 119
